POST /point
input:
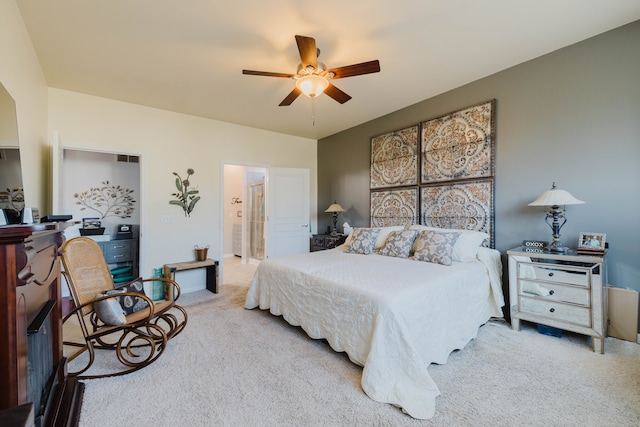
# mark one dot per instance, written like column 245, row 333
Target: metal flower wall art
column 186, row 196
column 108, row 200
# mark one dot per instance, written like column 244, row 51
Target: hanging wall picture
column 186, row 196
column 446, row 179
column 458, row 145
column 107, row 200
column 466, row 206
column 394, row 158
column 394, row 207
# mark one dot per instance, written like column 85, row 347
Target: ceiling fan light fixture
column 312, row 76
column 312, row 85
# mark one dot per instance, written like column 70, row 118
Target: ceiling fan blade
column 337, row 94
column 308, row 52
column 355, row 69
column 265, row 73
column 291, row 97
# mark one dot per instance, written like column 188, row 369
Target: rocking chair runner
column 143, row 336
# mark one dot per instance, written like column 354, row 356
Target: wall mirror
column 11, row 192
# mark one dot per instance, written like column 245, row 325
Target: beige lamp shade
column 335, row 207
column 555, row 197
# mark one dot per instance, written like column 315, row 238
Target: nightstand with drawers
column 320, row 242
column 561, row 290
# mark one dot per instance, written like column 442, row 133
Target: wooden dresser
column 320, row 242
column 32, row 366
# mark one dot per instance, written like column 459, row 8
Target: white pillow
column 384, row 233
column 466, row 247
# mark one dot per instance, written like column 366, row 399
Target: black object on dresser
column 320, row 242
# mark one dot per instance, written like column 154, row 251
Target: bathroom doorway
column 244, row 212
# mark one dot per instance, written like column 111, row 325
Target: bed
column 392, row 315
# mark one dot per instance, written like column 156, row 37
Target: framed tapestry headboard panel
column 439, row 172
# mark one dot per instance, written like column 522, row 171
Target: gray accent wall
column 571, row 116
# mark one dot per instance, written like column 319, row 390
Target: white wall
column 22, row 76
column 166, row 141
column 170, row 142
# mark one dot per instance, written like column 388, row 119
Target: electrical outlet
column 166, row 219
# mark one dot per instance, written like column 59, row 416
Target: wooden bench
column 210, row 264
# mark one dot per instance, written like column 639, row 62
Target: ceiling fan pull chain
column 313, row 111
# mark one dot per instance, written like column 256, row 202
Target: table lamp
column 334, row 209
column 553, row 199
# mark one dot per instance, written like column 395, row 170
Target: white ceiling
column 187, row 56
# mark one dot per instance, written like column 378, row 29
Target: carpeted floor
column 237, row 367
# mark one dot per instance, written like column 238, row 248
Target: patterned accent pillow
column 129, row 303
column 466, row 247
column 435, row 246
column 399, row 243
column 363, row 241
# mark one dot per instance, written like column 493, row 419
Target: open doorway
column 102, row 192
column 243, row 231
column 253, row 194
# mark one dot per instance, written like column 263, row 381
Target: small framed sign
column 589, row 241
column 91, row 223
column 534, row 246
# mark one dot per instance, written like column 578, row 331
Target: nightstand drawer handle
column 552, row 309
column 551, row 292
column 550, row 274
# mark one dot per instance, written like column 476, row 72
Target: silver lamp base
column 556, row 219
column 557, row 247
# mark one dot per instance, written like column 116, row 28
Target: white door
column 287, row 206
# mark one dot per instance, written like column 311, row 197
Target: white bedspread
column 392, row 316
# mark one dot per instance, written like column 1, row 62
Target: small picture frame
column 589, row 241
column 91, row 223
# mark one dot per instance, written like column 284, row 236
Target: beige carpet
column 237, row 367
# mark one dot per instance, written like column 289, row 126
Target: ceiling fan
column 312, row 77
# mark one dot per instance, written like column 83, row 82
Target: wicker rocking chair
column 137, row 339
